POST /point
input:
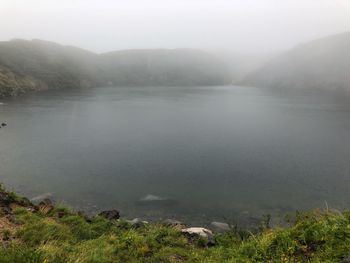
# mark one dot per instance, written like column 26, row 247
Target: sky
column 246, row 26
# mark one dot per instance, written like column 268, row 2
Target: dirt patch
column 6, row 225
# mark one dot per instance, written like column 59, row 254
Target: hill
column 162, row 67
column 37, row 64
column 323, row 64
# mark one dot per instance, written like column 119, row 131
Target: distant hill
column 322, row 64
column 184, row 67
column 37, row 64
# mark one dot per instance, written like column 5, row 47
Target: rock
column 220, row 227
column 5, row 199
column 110, row 214
column 41, row 197
column 85, row 216
column 3, row 124
column 6, row 210
column 346, row 260
column 156, row 200
column 25, row 202
column 174, row 223
column 200, row 232
column 46, row 201
column 150, row 198
column 137, row 222
column 46, row 206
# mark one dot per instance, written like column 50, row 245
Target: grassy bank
column 48, row 233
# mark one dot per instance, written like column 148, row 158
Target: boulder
column 46, row 206
column 199, row 232
column 61, row 214
column 23, row 201
column 5, row 199
column 220, row 227
column 137, row 222
column 346, row 260
column 46, row 201
column 110, row 214
column 6, row 210
column 39, row 198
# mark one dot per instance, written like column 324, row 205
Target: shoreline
column 47, row 232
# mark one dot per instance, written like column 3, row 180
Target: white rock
column 200, row 232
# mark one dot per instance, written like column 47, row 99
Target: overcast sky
column 256, row 26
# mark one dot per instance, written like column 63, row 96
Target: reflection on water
column 217, row 151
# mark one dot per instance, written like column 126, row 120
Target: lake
column 220, row 153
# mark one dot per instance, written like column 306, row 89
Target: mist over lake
column 219, row 152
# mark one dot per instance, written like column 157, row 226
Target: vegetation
column 13, row 85
column 322, row 64
column 60, row 235
column 34, row 65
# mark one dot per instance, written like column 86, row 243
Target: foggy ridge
column 323, row 64
column 37, row 64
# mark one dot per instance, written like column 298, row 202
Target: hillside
column 35, row 65
column 183, row 67
column 323, row 64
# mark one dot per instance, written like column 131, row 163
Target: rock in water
column 137, row 222
column 220, row 227
column 152, row 198
column 110, row 214
column 155, row 200
column 41, row 197
column 3, row 124
column 200, row 232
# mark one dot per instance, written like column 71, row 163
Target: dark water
column 220, row 152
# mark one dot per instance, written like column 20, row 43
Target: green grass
column 315, row 236
column 61, row 235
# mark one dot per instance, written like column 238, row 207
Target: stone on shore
column 5, row 199
column 46, row 206
column 346, row 260
column 200, row 232
column 110, row 214
column 137, row 222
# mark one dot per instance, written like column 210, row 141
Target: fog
column 246, row 26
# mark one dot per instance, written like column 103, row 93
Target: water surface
column 220, row 152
